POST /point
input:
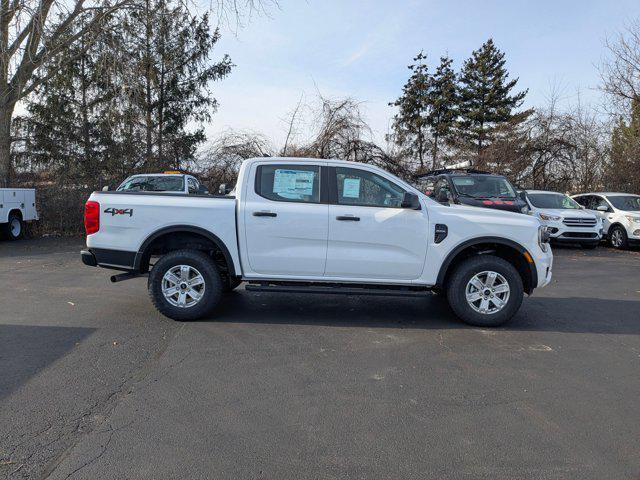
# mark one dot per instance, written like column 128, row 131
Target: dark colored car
column 472, row 187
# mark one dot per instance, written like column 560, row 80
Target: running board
column 338, row 290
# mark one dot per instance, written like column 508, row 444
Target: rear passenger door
column 285, row 219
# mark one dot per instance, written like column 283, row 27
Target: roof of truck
column 607, row 194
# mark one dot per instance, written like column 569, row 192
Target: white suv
column 566, row 220
column 620, row 214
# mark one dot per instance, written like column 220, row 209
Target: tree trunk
column 6, row 112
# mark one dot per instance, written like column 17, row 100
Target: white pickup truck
column 317, row 226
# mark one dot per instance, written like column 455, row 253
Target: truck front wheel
column 185, row 285
column 485, row 291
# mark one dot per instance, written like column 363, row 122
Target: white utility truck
column 17, row 206
column 317, row 226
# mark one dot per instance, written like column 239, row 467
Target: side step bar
column 338, row 290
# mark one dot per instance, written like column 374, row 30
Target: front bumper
column 561, row 233
column 544, row 266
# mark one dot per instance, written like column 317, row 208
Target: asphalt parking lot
column 95, row 384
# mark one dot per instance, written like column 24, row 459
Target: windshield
column 483, row 186
column 153, row 183
column 630, row 203
column 552, row 200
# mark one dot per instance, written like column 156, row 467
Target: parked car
column 167, row 182
column 471, row 187
column 620, row 214
column 17, row 206
column 318, row 226
column 565, row 219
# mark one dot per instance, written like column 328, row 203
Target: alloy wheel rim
column 15, row 227
column 183, row 286
column 616, row 238
column 487, row 292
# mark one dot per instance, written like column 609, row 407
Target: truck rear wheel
column 185, row 285
column 485, row 291
column 14, row 228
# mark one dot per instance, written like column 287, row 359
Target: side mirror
column 224, row 189
column 202, row 190
column 105, row 188
column 602, row 208
column 410, row 200
column 522, row 195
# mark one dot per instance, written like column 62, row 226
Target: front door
column 370, row 235
column 286, row 220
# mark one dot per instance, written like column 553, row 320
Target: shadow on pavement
column 25, row 350
column 573, row 314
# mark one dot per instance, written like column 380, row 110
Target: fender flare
column 188, row 229
column 533, row 272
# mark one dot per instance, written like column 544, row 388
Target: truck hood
column 489, row 215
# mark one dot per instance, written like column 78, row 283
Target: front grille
column 579, row 222
column 579, row 235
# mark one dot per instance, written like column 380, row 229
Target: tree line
column 110, row 89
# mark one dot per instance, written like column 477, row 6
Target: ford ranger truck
column 317, row 226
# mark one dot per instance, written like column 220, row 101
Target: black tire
column 204, row 265
column 231, row 284
column 462, row 275
column 588, row 246
column 623, row 241
column 14, row 228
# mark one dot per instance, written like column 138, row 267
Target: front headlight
column 543, row 238
column 548, row 218
column 633, row 219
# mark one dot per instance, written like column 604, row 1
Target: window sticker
column 351, row 188
column 293, row 183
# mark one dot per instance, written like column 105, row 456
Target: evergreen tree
column 442, row 99
column 169, row 72
column 410, row 124
column 485, row 99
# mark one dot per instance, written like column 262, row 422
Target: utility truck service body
column 17, row 206
column 318, row 226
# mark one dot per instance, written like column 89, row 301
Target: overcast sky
column 361, row 49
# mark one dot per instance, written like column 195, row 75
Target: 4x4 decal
column 119, row 211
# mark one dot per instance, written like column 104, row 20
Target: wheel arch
column 511, row 251
column 182, row 232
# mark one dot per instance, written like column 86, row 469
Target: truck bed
column 129, row 219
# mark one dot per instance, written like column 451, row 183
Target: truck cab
column 318, row 226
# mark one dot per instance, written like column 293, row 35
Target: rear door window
column 289, row 183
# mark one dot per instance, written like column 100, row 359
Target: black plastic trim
column 88, row 258
column 533, row 272
column 190, row 229
column 119, row 259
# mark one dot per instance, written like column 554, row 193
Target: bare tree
column 620, row 72
column 220, row 161
column 35, row 32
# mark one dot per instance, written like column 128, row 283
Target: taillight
column 91, row 217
